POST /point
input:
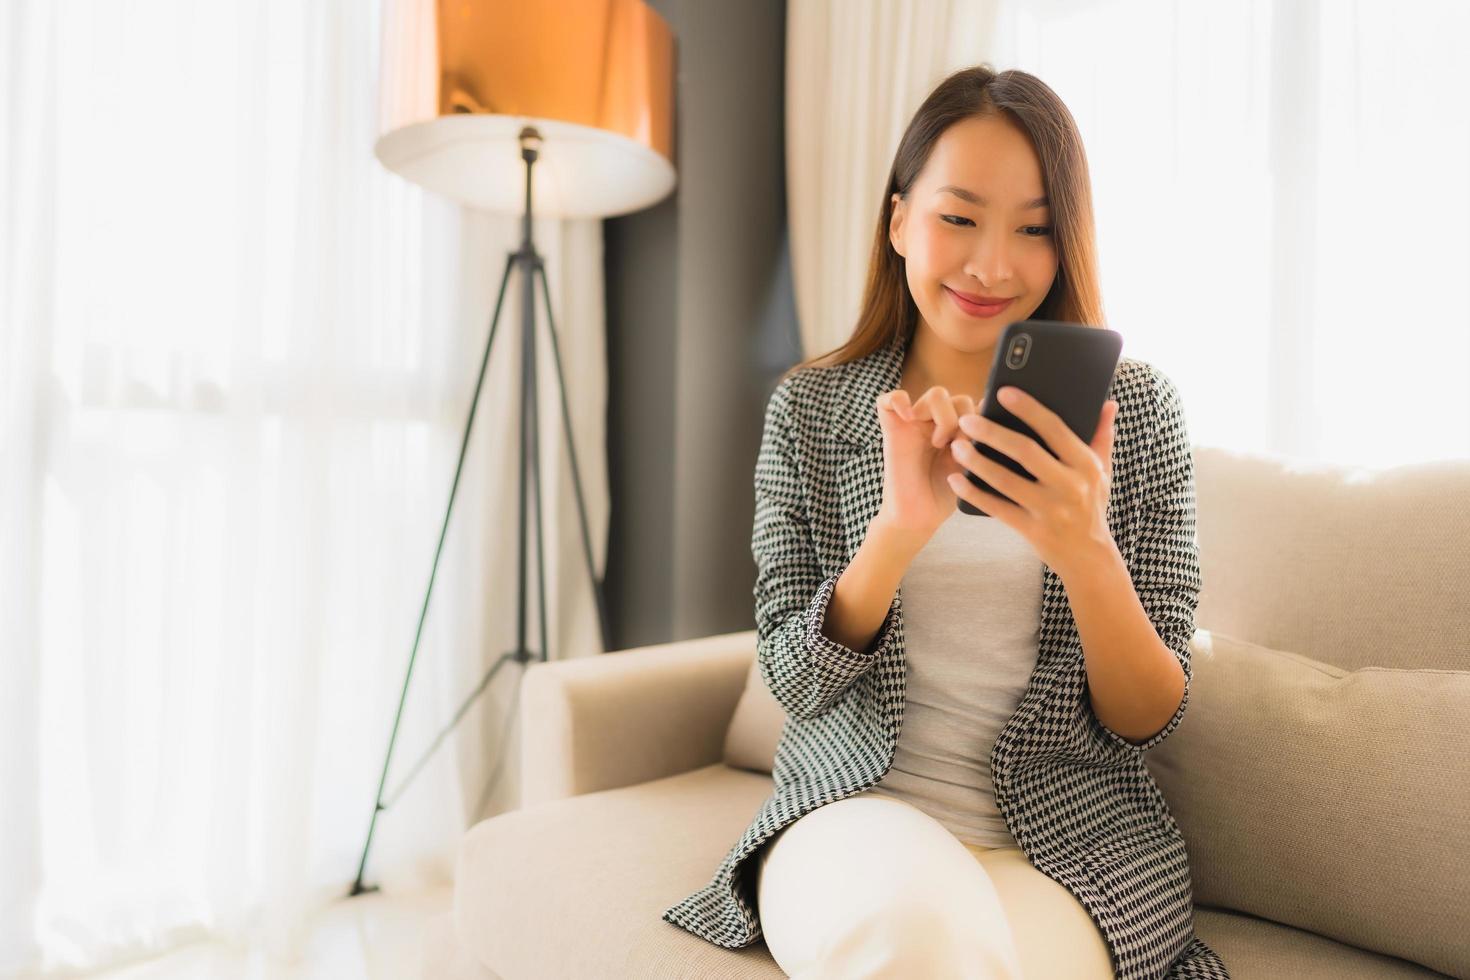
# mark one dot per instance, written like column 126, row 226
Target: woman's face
column 1002, row 247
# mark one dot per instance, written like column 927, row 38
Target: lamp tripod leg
column 378, row 806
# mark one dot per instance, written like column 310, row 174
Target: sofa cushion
column 577, row 887
column 1333, row 800
column 755, row 728
column 1254, row 949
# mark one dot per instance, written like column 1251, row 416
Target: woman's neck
column 930, row 362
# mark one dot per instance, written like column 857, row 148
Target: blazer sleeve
column 804, row 669
column 1166, row 565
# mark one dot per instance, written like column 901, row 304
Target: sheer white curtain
column 1283, row 209
column 855, row 72
column 236, row 357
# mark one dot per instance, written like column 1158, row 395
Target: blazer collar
column 856, row 419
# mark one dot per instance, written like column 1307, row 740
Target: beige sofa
column 1321, row 775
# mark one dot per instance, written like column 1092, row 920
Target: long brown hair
column 888, row 311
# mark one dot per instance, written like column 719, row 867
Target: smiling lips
column 978, row 306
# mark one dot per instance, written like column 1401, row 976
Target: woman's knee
column 918, row 939
column 877, row 883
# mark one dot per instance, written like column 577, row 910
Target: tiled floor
column 370, row 937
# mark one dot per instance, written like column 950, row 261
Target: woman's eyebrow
column 973, row 198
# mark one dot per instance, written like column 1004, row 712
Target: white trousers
column 872, row 887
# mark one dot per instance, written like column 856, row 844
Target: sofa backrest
column 1350, row 566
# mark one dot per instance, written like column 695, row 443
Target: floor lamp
column 473, row 95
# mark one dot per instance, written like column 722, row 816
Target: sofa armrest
column 623, row 718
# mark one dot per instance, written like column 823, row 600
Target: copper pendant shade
column 461, row 79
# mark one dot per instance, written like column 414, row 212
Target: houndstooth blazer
column 1076, row 796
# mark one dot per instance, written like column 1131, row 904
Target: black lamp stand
column 532, row 267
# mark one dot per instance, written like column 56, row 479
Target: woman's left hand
column 1063, row 512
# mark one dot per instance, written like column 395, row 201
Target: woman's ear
column 895, row 224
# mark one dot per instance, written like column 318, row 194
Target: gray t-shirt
column 971, row 621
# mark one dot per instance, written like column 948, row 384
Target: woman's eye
column 1032, row 231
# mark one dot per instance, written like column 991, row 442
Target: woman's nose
column 990, row 264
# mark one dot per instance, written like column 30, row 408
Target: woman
column 1028, row 657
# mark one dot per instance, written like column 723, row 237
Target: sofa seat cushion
column 1257, row 949
column 577, row 887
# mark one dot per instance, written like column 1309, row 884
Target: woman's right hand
column 917, row 460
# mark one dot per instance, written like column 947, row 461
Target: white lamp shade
column 462, row 78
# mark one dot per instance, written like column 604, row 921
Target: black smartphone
column 1068, row 367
